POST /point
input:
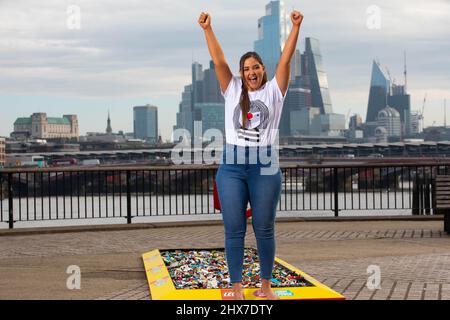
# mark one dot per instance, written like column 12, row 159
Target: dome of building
column 389, row 119
column 381, row 131
column 388, row 112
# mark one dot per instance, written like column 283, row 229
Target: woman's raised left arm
column 284, row 65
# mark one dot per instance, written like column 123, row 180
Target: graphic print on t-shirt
column 258, row 119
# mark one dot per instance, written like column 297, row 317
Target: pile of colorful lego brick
column 207, row 269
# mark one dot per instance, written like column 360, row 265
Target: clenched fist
column 204, row 20
column 296, row 18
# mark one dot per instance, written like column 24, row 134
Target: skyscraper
column 379, row 90
column 203, row 91
column 384, row 94
column 272, row 35
column 298, row 97
column 315, row 76
column 212, row 116
column 197, row 82
column 211, row 88
column 401, row 101
column 296, row 64
column 301, row 120
column 309, row 90
column 185, row 115
column 146, row 123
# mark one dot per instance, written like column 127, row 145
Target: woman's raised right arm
column 223, row 71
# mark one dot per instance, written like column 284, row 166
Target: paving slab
column 413, row 258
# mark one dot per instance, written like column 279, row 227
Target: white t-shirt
column 264, row 116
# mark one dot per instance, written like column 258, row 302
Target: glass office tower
column 315, row 76
column 203, row 91
column 401, row 101
column 379, row 90
column 272, row 35
column 146, row 123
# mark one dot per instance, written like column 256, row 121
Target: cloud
column 138, row 48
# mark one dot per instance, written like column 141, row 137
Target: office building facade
column 415, row 123
column 331, row 124
column 355, row 122
column 212, row 116
column 301, row 120
column 146, row 123
column 298, row 97
column 309, row 90
column 316, row 79
column 389, row 119
column 272, row 35
column 355, row 127
column 185, row 114
column 203, row 91
column 379, row 91
column 401, row 101
column 384, row 94
column 40, row 126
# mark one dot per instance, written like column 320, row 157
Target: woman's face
column 253, row 73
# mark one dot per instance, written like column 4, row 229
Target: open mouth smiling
column 253, row 80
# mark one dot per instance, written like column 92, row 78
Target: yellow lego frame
column 162, row 287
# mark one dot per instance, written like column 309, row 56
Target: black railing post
column 128, row 198
column 427, row 202
column 421, row 197
column 433, row 196
column 415, row 198
column 336, row 192
column 10, row 202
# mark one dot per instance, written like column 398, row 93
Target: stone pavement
column 412, row 256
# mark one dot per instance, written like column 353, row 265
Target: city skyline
column 126, row 55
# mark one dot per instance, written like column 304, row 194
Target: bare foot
column 267, row 290
column 238, row 291
column 270, row 295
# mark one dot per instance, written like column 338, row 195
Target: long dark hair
column 245, row 100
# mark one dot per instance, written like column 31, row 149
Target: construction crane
column 421, row 117
column 388, row 73
column 391, row 81
column 404, row 72
column 390, row 78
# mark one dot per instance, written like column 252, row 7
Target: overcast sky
column 138, row 52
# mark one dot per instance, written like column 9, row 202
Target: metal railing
column 130, row 192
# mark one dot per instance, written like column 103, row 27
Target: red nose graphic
column 249, row 116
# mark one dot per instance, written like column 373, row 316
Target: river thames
column 64, row 211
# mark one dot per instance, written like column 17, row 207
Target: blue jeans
column 243, row 177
